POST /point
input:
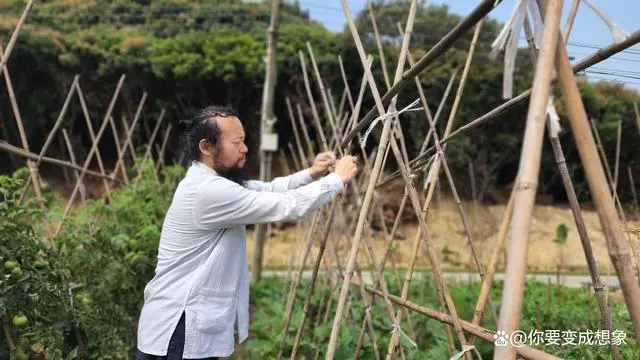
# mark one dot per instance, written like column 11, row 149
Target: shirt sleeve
column 221, row 203
column 282, row 184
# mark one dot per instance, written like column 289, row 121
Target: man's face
column 230, row 153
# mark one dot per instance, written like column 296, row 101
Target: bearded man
column 200, row 291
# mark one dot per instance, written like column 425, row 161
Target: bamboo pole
column 312, row 103
column 52, row 133
column 500, row 111
column 526, row 183
column 165, row 140
column 32, row 156
column 14, row 36
column 314, row 275
column 72, row 156
column 132, row 151
column 296, row 161
column 152, row 139
column 485, row 334
column 296, row 281
column 577, row 214
column 616, row 169
column 35, row 181
column 91, row 152
column 379, row 45
column 92, row 134
column 436, row 51
column 129, row 133
column 569, row 23
column 374, row 175
column 120, row 150
column 305, row 133
column 616, row 242
column 346, row 83
column 296, row 133
column 267, row 122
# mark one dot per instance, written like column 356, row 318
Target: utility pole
column 268, row 138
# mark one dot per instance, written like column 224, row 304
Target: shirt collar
column 204, row 167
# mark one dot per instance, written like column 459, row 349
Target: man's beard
column 235, row 174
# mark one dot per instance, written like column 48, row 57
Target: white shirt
column 202, row 258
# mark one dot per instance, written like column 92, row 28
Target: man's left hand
column 321, row 164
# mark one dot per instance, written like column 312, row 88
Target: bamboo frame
column 438, row 49
column 14, row 36
column 163, row 148
column 92, row 134
column 91, row 153
column 506, row 107
column 129, row 134
column 152, row 139
column 619, row 251
column 526, row 183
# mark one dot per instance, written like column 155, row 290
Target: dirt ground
column 450, row 241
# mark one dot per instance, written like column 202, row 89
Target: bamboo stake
column 73, row 161
column 296, row 133
column 312, row 103
column 162, row 150
column 501, row 110
column 129, row 132
column 577, row 214
column 52, row 133
column 485, row 334
column 607, row 168
column 296, row 281
column 91, row 152
column 132, row 151
column 305, row 133
column 379, row 45
column 92, row 134
column 314, row 275
column 152, row 139
column 35, row 181
column 120, row 150
column 436, row 51
column 374, row 175
column 296, row 162
column 14, row 36
column 616, row 171
column 618, row 247
column 346, row 83
column 32, row 156
column 526, row 183
column 569, row 23
column 436, row 168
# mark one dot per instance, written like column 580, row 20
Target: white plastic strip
column 464, row 350
column 375, row 121
column 554, row 119
column 398, row 329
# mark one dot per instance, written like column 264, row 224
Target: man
column 200, row 291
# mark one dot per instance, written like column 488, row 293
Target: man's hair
column 203, row 125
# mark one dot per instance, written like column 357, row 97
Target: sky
column 589, row 32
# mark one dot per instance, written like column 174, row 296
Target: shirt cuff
column 335, row 181
column 305, row 175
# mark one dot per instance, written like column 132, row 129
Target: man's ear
column 205, row 147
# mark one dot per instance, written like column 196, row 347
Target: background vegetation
column 188, row 54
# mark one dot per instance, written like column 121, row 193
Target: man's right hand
column 347, row 168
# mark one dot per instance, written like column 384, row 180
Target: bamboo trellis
column 354, row 212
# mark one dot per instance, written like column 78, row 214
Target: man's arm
column 222, row 203
column 281, row 184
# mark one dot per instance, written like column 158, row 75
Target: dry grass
column 446, row 230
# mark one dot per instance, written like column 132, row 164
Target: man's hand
column 321, row 164
column 347, row 168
